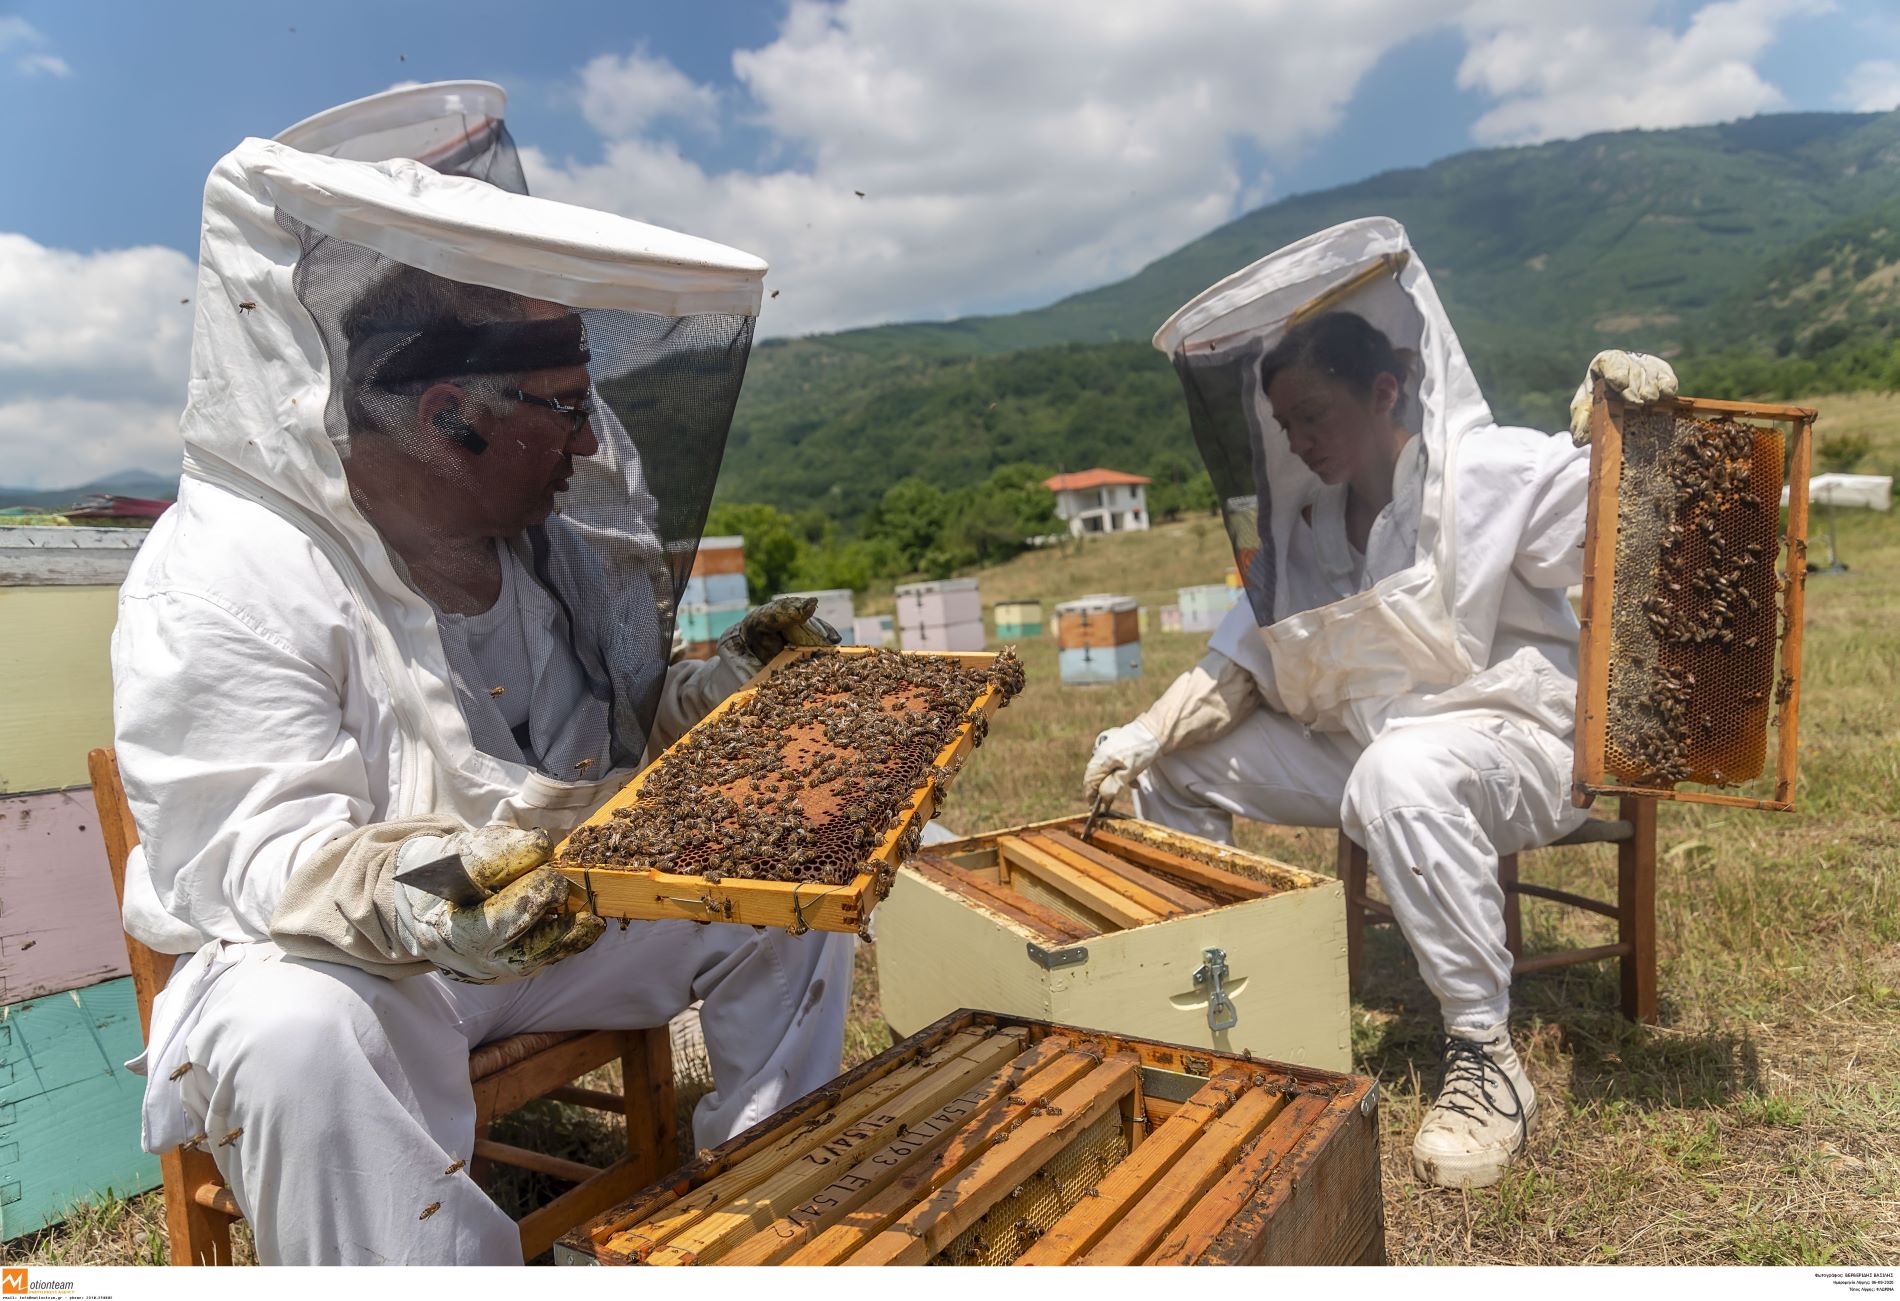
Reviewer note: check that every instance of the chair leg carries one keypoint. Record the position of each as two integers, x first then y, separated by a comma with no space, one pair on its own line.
480,1168
1351,864
1636,909
646,1070
196,1235
1513,908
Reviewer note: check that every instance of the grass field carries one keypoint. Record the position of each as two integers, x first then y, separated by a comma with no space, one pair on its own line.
1759,1123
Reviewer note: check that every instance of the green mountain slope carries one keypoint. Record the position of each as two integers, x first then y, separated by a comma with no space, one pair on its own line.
1767,235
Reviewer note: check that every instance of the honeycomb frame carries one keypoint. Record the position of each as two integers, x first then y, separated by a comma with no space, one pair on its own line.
1691,641
619,891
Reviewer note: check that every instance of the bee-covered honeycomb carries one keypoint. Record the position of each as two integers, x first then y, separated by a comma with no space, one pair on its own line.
1029,1210
1694,610
805,780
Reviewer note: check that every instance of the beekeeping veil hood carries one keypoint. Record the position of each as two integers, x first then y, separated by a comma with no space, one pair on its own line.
1332,656
455,127
458,128
402,364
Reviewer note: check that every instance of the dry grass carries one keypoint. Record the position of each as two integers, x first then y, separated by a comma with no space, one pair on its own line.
1759,1123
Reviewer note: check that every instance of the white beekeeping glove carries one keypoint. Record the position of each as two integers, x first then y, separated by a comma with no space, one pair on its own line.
1637,377
516,931
1121,755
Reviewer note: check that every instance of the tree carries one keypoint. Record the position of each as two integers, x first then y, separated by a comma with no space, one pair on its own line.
774,550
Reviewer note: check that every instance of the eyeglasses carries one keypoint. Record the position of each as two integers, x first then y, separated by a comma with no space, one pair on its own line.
577,415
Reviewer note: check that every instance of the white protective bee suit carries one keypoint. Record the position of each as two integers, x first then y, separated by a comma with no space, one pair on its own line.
286,709
1420,695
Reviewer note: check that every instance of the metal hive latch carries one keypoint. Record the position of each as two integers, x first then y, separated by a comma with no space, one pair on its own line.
1210,976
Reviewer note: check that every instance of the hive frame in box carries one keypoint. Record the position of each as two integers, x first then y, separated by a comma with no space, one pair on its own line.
796,905
1306,1190
1591,776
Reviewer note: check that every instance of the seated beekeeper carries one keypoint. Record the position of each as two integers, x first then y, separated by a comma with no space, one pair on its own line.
1404,663
389,618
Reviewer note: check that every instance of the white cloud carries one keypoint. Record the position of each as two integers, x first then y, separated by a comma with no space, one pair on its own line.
1012,153
18,34
94,349
1872,86
625,95
1570,67
51,65
17,31
1008,153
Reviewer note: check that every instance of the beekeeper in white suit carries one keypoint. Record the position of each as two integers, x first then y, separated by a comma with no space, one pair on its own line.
369,634
1404,665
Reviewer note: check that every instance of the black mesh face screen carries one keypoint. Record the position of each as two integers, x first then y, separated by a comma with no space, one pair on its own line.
549,514
1221,387
455,144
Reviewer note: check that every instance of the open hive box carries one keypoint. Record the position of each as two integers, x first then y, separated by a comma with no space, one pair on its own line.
1690,668
994,1140
792,803
1138,929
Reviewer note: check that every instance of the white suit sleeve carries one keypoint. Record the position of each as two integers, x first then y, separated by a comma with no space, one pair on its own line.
1551,552
236,759
1202,704
692,688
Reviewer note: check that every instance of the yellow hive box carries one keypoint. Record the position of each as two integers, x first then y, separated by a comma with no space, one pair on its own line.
1117,933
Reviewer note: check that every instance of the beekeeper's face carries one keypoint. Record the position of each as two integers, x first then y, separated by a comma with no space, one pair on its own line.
513,439
1335,431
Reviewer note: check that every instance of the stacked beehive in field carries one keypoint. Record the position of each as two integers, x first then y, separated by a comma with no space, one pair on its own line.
715,595
1099,639
1202,608
1114,931
990,1140
69,1110
940,616
1016,620
873,630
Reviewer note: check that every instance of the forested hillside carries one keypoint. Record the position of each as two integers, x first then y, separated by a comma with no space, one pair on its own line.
1762,255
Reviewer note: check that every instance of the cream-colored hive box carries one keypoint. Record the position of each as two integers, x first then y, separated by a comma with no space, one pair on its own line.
1139,930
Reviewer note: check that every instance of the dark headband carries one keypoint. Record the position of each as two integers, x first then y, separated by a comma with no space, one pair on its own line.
387,355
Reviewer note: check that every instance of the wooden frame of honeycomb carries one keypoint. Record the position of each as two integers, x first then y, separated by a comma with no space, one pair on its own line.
1691,640
616,890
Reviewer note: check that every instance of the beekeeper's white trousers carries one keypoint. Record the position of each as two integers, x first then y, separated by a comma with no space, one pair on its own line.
1433,802
353,1097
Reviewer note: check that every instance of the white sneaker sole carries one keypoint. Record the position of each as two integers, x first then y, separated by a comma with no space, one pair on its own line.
1467,1169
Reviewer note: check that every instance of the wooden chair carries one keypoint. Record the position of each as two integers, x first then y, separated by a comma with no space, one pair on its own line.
1634,912
199,1209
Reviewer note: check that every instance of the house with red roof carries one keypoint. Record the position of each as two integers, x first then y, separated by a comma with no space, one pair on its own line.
1100,501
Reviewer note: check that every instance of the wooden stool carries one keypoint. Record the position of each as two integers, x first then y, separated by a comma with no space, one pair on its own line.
199,1208
1633,834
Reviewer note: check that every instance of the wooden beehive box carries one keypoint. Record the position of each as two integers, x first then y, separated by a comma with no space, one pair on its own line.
619,891
1113,933
1689,674
996,1140
1098,639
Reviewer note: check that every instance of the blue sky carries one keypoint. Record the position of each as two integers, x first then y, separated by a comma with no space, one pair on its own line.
1011,151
